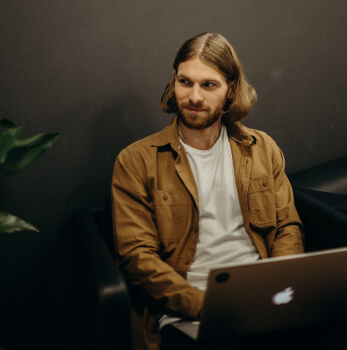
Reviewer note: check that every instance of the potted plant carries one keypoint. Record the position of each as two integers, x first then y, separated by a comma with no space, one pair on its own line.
15,155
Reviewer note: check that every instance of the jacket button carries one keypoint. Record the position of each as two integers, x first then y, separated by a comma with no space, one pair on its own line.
264,183
165,197
187,262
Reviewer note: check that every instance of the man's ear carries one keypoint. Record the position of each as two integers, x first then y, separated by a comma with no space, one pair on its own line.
231,90
231,93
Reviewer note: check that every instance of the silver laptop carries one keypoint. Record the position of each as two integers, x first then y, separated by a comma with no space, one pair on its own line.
272,294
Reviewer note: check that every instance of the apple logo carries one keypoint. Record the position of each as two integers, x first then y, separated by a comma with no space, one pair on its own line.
283,297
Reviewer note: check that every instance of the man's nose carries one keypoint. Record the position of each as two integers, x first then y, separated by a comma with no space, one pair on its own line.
195,96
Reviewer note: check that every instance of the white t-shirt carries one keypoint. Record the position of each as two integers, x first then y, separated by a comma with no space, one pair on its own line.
223,239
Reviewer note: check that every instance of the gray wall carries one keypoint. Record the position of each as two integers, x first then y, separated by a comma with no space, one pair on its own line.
95,71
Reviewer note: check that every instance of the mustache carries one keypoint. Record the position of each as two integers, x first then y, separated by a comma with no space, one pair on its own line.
194,105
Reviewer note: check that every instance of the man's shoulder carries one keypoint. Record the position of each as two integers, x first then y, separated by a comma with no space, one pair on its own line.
149,143
259,135
146,141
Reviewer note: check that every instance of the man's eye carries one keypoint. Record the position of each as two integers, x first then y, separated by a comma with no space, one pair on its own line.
209,85
184,81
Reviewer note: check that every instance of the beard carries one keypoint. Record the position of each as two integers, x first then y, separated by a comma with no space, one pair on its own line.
201,120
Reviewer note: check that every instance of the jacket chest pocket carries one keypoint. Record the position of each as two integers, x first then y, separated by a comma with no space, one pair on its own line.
262,202
171,214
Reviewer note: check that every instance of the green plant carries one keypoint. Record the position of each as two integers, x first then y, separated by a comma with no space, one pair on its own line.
15,155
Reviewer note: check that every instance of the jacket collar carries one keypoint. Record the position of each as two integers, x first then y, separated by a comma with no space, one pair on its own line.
236,131
168,135
240,133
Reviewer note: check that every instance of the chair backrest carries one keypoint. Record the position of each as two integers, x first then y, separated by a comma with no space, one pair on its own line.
325,226
107,229
103,294
328,177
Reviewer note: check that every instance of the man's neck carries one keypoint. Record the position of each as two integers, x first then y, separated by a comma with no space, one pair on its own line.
200,139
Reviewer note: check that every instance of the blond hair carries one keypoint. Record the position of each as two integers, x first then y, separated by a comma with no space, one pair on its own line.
215,51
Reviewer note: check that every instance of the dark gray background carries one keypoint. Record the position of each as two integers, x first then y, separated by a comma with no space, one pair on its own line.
95,71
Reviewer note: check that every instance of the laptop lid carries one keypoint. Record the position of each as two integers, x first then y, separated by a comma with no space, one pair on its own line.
273,294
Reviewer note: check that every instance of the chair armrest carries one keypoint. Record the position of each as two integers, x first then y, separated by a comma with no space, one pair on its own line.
105,305
325,226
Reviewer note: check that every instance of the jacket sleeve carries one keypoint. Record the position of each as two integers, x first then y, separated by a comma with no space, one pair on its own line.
137,242
289,233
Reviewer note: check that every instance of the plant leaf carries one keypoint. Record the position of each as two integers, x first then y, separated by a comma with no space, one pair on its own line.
5,123
24,152
7,141
10,223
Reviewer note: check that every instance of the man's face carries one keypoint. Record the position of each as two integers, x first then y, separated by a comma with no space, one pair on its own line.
201,93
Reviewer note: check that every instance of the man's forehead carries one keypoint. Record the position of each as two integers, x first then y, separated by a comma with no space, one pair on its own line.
195,68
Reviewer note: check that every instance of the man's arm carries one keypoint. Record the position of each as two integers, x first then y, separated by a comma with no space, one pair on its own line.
289,236
137,241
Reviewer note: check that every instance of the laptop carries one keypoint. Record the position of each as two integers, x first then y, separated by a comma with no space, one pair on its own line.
272,294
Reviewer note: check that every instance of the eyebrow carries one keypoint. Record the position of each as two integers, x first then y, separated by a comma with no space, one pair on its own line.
212,80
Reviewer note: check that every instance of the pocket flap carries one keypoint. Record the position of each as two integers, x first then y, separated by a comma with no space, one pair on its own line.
260,184
169,198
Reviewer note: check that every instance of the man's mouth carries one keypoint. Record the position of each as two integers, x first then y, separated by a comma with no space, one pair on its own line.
194,109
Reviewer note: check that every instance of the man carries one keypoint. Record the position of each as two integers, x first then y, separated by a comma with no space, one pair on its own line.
205,191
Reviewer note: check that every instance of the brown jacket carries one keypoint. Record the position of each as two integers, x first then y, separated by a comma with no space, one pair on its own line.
156,215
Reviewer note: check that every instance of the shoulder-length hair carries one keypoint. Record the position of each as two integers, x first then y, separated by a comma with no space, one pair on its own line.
215,51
